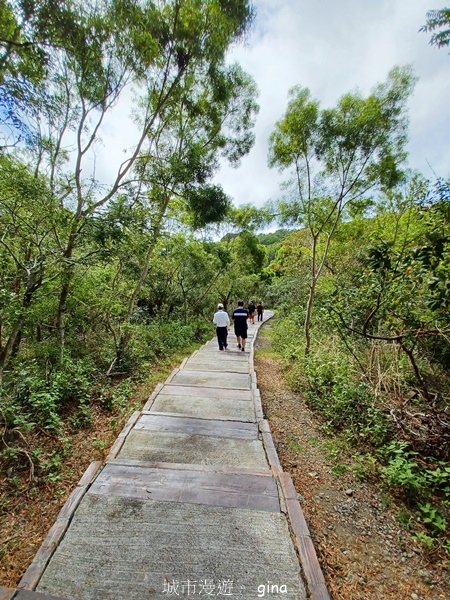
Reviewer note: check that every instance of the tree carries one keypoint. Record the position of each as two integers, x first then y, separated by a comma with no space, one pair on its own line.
438,20
173,174
399,291
37,40
172,53
29,219
337,157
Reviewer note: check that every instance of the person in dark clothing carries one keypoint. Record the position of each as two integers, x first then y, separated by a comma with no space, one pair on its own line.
251,312
240,317
260,310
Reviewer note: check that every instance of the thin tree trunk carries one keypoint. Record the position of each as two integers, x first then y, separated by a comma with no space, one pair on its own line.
312,292
7,351
123,338
409,353
307,326
64,293
12,344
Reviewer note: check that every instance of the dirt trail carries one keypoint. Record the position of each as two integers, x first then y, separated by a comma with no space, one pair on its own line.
364,551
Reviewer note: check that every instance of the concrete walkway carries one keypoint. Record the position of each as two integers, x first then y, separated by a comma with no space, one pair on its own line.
192,501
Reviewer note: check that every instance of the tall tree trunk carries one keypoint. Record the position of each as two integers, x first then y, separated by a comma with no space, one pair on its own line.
67,276
312,293
11,347
7,351
307,326
123,337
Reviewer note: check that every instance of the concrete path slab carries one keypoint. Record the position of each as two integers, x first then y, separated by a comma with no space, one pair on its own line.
228,359
209,393
232,348
196,426
210,408
234,490
234,381
189,467
227,356
235,358
133,549
201,449
217,365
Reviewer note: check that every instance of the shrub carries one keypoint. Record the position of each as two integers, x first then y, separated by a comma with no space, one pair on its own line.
328,380
38,397
158,340
402,471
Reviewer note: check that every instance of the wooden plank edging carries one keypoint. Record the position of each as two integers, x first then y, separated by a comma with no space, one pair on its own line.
256,395
29,595
6,593
152,397
33,574
257,405
117,446
269,446
312,571
172,375
302,538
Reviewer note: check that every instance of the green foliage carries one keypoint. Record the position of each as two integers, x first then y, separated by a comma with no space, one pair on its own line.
293,444
41,398
99,444
157,340
431,517
62,225
399,290
207,205
267,239
336,156
51,466
364,466
402,470
436,526
438,22
328,380
438,478
378,369
346,405
428,542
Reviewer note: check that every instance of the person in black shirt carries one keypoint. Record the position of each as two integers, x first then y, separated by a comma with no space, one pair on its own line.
260,310
251,312
240,317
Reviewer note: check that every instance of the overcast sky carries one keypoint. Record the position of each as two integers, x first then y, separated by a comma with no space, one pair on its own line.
333,47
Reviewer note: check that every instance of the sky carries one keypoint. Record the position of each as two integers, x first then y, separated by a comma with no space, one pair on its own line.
333,47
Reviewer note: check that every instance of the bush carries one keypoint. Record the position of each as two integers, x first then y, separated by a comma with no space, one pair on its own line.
402,472
38,397
157,340
332,387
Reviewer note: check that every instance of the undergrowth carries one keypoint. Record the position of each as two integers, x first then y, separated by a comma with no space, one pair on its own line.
365,406
43,406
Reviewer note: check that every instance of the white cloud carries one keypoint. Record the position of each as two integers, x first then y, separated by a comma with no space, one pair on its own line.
334,47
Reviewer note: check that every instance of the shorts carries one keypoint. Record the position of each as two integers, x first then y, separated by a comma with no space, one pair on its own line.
241,333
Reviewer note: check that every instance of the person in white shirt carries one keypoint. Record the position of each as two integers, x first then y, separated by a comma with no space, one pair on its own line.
222,322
